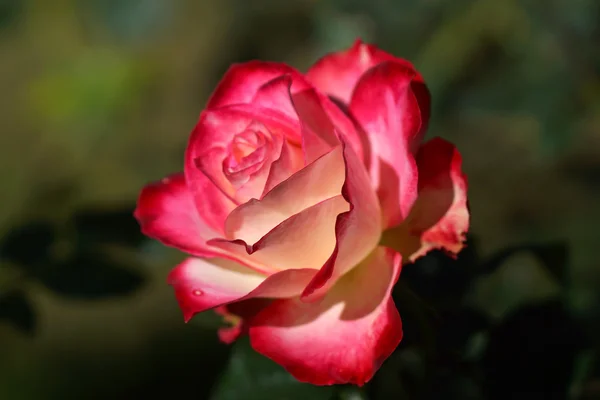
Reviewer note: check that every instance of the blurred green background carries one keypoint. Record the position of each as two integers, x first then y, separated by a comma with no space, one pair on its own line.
99,96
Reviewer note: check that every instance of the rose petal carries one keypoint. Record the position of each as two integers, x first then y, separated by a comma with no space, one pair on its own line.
357,231
305,240
241,82
215,129
290,161
318,132
318,181
276,95
204,284
166,212
337,73
342,339
210,165
386,108
439,218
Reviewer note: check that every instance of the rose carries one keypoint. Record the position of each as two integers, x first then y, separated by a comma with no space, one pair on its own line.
290,184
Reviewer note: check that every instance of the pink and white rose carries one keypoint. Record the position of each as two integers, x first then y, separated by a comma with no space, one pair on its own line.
300,198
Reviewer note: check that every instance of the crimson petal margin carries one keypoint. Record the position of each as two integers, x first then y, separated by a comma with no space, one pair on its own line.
440,217
337,73
345,337
387,110
242,81
202,284
165,211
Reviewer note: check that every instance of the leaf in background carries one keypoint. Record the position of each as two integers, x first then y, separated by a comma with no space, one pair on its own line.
28,244
115,225
90,276
251,376
17,310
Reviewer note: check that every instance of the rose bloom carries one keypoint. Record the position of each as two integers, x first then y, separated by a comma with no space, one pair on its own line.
301,197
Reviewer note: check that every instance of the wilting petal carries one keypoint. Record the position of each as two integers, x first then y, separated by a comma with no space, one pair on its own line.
357,231
166,212
386,108
338,73
241,82
204,284
342,339
439,218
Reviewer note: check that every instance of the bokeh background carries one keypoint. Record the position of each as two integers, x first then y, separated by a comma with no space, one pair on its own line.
99,96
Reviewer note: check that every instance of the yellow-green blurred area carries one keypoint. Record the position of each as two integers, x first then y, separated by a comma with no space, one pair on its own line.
98,99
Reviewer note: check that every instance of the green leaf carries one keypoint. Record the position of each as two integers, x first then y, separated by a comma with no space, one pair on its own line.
106,226
28,244
90,275
251,376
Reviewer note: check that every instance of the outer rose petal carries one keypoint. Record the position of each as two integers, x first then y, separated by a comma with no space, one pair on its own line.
386,108
201,284
204,284
241,82
342,339
337,73
166,212
439,218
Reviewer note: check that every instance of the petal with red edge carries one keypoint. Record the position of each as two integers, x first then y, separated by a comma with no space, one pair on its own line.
202,284
322,123
216,129
342,339
318,133
439,218
386,108
357,231
337,73
276,95
242,81
166,212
